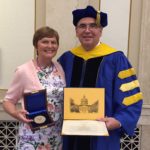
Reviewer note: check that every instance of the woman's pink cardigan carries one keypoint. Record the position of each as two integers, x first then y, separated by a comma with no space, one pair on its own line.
26,80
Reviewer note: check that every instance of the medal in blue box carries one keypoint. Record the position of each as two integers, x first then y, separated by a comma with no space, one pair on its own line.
36,104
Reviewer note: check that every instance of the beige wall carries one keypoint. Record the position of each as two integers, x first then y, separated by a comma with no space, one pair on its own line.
116,33
16,31
58,17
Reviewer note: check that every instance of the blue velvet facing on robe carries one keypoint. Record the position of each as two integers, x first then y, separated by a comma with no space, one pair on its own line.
107,77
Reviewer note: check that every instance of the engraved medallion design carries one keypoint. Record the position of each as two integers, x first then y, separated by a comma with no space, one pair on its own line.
39,119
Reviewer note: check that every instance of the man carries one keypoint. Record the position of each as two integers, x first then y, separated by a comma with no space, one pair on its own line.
95,64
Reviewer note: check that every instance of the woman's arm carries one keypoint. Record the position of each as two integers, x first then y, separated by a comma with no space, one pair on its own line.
19,114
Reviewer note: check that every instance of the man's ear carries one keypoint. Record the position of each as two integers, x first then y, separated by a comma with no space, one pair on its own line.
76,31
101,29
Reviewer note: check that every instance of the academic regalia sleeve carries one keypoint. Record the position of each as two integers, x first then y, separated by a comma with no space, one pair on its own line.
66,61
127,95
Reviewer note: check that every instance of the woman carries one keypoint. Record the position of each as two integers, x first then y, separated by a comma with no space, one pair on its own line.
39,73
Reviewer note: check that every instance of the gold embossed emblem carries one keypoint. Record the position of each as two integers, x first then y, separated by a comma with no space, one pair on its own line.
39,119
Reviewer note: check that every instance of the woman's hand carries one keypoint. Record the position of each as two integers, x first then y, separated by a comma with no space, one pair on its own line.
21,116
111,123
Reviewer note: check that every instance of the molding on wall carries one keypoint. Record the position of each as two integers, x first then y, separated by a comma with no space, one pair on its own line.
134,33
144,55
5,116
40,13
2,94
145,115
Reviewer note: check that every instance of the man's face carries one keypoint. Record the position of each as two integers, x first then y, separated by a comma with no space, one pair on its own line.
88,32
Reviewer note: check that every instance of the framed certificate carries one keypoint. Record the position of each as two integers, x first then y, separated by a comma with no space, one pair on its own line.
36,104
82,108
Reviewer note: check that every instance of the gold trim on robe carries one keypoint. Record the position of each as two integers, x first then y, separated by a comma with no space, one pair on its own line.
126,73
100,50
132,99
129,86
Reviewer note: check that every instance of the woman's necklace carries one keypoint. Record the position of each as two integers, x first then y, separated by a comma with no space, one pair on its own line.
46,70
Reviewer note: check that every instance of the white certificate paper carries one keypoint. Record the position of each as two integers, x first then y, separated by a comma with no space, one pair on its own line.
84,127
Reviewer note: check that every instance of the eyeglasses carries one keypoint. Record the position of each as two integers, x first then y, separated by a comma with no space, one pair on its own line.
90,26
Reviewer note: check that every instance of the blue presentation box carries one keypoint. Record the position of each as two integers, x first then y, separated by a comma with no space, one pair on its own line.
36,104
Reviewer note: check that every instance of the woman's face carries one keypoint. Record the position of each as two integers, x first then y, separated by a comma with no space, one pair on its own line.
47,47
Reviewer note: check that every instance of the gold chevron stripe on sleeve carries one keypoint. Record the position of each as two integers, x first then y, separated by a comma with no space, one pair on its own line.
132,99
129,86
126,73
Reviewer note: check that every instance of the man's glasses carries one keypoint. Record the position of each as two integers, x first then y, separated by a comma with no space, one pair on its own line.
90,26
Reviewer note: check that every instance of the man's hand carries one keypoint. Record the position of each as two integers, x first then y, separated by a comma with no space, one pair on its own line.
111,123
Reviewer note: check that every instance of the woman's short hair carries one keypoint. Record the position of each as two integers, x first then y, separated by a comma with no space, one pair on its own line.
44,32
